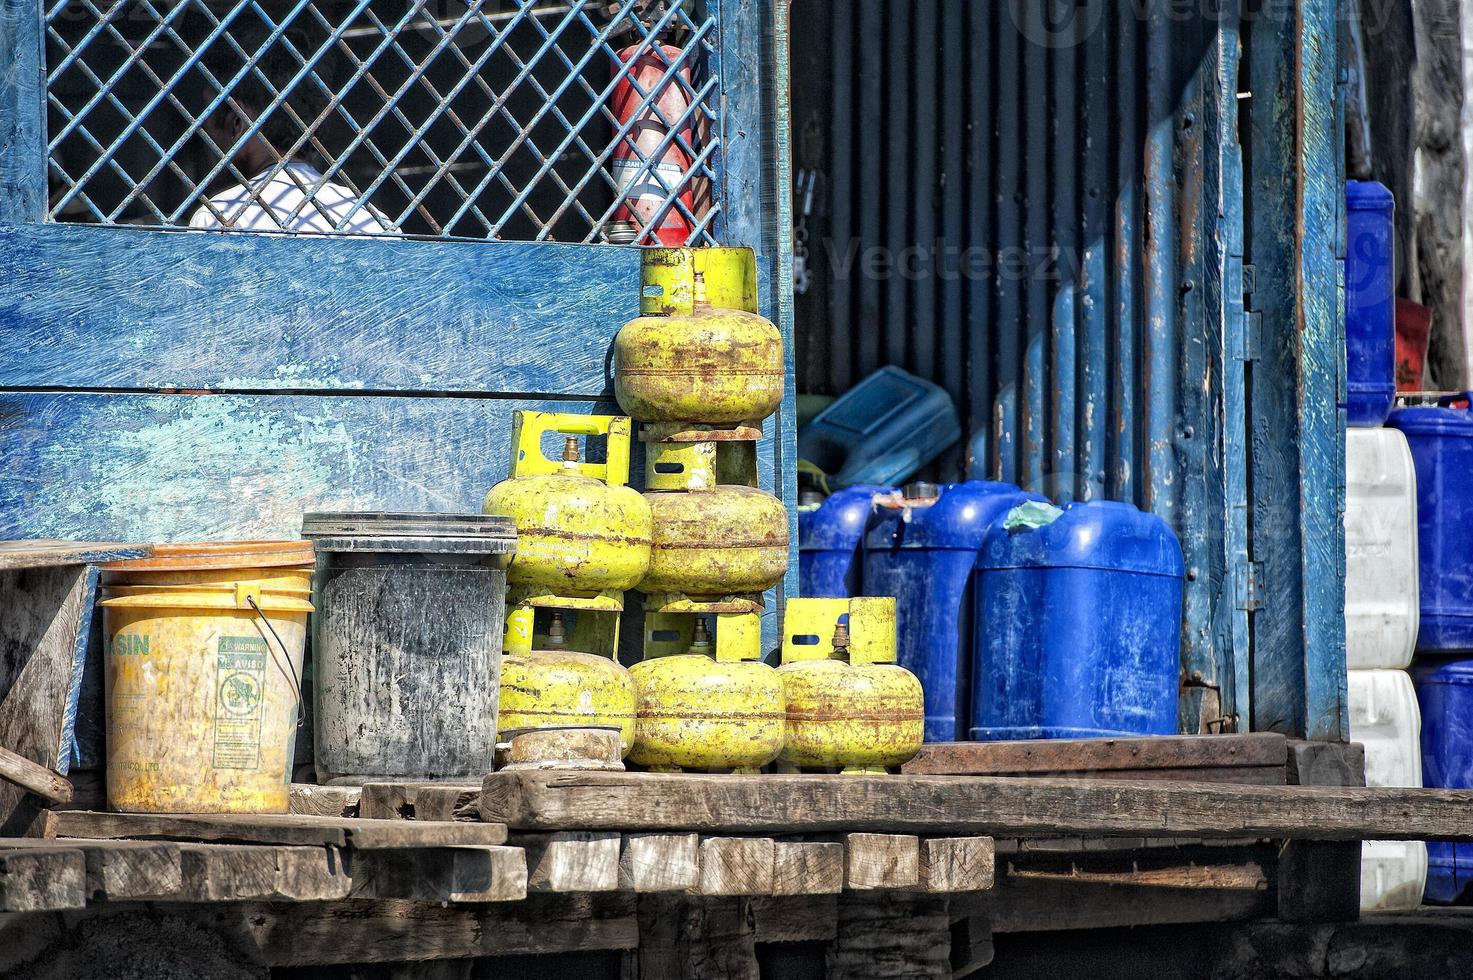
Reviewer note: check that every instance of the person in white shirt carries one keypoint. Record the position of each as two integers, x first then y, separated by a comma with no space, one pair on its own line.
290,197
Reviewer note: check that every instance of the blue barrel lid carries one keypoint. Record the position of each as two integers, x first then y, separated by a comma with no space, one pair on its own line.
838,523
1368,195
1433,420
958,520
1103,534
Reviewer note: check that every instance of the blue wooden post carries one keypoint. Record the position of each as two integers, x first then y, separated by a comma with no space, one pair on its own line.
1295,204
22,113
757,211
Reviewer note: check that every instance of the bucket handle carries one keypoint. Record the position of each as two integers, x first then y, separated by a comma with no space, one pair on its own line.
285,668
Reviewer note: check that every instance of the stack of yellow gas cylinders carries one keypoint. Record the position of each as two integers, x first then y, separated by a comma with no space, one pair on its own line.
583,538
700,370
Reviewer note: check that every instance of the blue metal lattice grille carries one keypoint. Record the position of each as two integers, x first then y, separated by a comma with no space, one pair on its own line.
517,119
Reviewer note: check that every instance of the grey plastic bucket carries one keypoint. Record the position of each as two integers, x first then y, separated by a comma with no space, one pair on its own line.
406,643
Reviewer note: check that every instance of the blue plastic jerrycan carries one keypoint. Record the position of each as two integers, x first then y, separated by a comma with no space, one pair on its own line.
829,538
1441,440
1081,625
921,547
1370,302
882,431
1445,698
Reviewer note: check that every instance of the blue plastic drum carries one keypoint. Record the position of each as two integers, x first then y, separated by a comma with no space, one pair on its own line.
1441,439
1445,696
1370,302
1082,632
924,553
829,539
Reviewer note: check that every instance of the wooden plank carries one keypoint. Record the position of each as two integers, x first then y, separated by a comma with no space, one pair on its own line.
357,931
1031,905
22,114
243,872
881,861
571,861
694,939
891,934
797,918
286,829
323,314
183,467
42,879
448,803
43,647
998,806
400,800
1249,867
736,866
40,780
1104,755
311,800
45,554
441,874
504,880
118,870
807,868
660,863
956,864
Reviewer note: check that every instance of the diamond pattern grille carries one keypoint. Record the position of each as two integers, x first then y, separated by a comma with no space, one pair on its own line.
526,120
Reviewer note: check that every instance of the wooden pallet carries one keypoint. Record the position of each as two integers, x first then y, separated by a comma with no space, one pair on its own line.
96,856
1258,758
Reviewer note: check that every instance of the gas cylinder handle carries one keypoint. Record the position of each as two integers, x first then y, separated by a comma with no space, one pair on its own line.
529,459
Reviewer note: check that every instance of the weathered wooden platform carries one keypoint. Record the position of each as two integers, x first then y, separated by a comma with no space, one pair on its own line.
992,805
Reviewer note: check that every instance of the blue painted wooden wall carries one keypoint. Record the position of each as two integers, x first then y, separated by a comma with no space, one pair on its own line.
168,385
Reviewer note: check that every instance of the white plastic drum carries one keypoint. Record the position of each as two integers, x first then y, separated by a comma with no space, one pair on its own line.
1384,718
1380,549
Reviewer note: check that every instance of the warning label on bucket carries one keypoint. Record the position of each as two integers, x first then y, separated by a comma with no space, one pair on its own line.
240,682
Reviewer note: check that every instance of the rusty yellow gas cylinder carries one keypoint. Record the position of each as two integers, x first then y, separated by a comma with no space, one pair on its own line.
703,711
848,706
555,687
696,353
709,538
580,530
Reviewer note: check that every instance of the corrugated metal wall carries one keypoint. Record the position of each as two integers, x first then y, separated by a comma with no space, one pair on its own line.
1038,206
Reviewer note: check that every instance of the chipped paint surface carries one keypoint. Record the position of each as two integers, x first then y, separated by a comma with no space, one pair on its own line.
125,467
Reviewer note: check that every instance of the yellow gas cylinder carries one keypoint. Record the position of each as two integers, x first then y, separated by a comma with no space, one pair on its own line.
580,530
557,687
697,352
699,711
849,706
708,538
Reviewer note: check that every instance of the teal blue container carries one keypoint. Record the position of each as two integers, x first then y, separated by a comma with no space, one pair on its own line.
882,431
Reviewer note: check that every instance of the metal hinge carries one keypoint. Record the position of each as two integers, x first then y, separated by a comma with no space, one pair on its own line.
1250,585
1252,341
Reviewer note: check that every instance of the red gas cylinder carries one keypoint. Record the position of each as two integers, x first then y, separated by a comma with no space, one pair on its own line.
645,150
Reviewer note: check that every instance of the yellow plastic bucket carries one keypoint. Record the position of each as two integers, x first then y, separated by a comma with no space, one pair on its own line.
204,647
